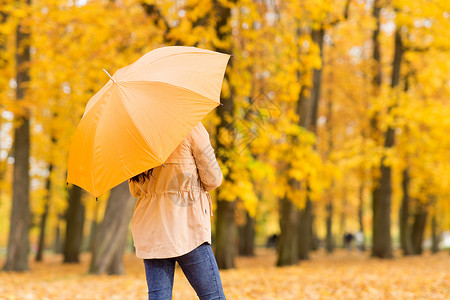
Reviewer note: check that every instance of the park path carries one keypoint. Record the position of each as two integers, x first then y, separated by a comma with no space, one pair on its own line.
343,275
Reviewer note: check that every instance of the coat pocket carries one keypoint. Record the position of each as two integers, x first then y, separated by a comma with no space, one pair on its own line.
206,203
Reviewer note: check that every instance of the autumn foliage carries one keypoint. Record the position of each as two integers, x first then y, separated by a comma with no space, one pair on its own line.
336,118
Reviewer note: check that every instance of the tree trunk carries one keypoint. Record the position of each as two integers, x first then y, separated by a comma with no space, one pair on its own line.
376,55
397,62
405,228
3,65
291,220
418,230
74,227
314,238
376,83
304,229
382,193
317,38
111,238
247,237
376,80
116,267
360,216
57,246
225,249
93,229
309,122
288,245
434,234
41,245
381,244
92,234
329,243
289,224
225,234
343,217
18,242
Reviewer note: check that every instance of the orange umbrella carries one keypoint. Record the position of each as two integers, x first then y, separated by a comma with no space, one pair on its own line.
142,114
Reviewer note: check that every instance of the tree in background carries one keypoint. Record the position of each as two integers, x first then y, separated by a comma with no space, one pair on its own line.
111,236
18,243
74,227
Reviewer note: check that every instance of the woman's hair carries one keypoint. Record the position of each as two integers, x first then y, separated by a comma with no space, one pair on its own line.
142,177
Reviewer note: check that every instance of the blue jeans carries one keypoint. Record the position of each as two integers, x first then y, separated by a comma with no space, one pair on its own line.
199,266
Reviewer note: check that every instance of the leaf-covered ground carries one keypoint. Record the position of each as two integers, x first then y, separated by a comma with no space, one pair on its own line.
342,275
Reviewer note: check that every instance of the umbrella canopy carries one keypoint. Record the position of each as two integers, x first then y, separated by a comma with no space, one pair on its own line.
142,114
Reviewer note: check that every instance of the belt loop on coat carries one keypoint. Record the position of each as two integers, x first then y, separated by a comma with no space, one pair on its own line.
210,202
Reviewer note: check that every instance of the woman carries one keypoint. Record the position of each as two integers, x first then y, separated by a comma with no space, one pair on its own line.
171,220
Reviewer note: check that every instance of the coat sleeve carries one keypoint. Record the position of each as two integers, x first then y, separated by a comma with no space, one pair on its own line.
207,165
134,190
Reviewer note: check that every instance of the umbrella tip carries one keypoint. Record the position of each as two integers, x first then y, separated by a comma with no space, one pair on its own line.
163,165
109,75
96,199
221,104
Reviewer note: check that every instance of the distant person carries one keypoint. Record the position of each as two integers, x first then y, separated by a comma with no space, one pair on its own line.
348,238
272,241
171,221
359,240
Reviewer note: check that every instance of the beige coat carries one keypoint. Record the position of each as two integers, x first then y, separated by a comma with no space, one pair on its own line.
172,214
